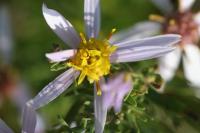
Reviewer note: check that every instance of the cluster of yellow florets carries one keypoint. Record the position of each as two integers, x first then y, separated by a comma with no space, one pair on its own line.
92,59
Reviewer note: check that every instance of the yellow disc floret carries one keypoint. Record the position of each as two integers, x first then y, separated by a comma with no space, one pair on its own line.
92,59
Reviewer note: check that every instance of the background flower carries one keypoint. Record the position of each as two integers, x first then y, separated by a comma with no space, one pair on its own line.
179,20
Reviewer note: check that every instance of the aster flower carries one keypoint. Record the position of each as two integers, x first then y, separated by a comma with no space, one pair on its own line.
181,21
29,122
91,58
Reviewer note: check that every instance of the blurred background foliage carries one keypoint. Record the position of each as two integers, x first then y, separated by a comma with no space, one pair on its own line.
175,111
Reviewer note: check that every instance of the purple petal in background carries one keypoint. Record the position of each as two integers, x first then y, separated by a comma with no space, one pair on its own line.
114,92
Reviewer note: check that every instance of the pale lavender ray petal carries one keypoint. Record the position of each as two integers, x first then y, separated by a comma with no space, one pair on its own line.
164,5
161,40
114,93
54,88
29,120
100,112
61,27
138,56
108,89
61,55
92,17
139,30
118,104
112,83
123,89
185,5
169,63
4,128
191,64
135,50
6,39
40,126
108,100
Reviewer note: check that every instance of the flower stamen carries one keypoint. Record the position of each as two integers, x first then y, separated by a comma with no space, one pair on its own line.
92,58
157,18
99,92
172,22
83,38
111,33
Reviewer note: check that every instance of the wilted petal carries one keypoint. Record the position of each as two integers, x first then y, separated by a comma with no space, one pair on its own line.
191,63
112,83
185,5
92,17
164,5
140,30
132,55
5,35
29,120
115,90
100,112
108,100
162,41
54,88
123,89
61,27
61,55
4,128
169,63
108,88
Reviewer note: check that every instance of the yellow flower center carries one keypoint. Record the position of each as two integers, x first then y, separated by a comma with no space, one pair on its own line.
92,59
